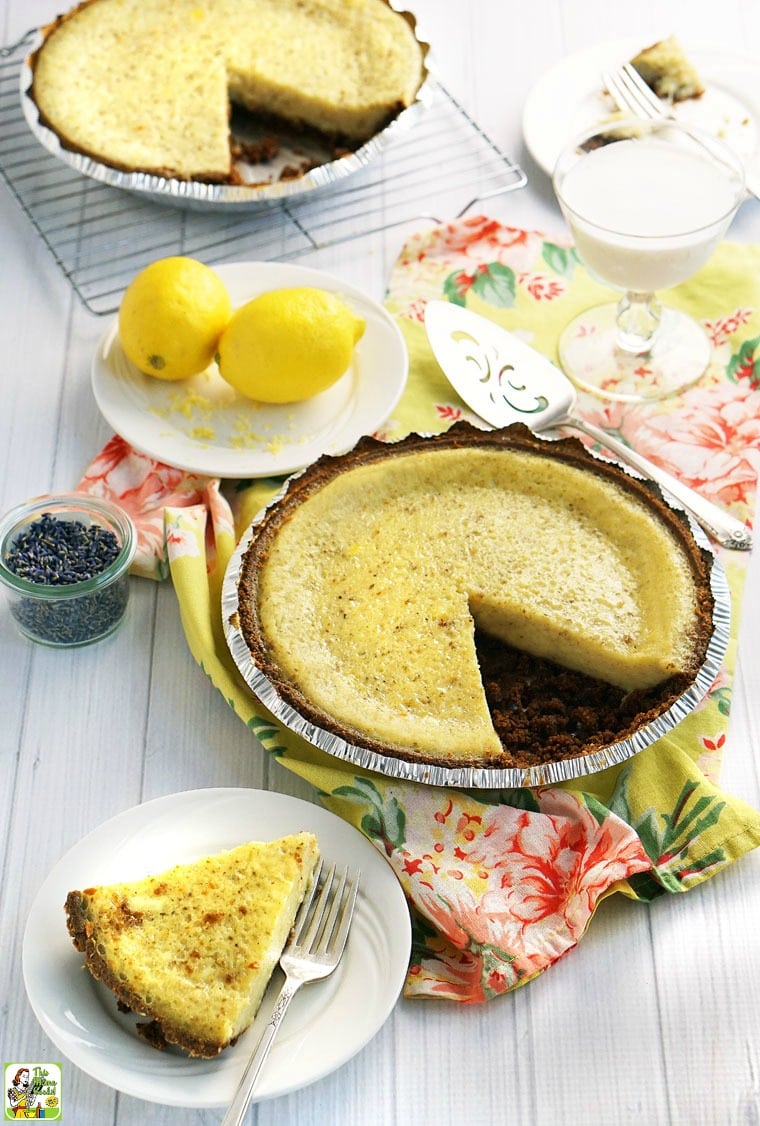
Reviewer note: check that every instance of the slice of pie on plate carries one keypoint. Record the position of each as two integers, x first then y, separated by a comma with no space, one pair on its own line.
193,948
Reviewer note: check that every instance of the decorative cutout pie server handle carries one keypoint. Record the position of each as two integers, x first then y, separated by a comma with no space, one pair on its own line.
503,380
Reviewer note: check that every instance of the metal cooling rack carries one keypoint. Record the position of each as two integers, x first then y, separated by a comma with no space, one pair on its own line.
101,236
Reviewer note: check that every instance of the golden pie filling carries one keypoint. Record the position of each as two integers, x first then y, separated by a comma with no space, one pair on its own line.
147,85
193,948
362,592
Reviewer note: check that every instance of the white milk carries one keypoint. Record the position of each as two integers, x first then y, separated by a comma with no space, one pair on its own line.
646,214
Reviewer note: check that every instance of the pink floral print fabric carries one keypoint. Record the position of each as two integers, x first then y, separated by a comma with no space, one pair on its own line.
502,885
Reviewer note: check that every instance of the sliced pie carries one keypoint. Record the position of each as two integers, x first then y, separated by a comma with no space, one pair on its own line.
365,590
667,70
193,948
147,85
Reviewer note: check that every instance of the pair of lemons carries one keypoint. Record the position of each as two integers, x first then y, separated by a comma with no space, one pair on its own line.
283,346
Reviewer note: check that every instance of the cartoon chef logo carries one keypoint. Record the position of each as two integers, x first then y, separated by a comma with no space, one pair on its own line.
32,1090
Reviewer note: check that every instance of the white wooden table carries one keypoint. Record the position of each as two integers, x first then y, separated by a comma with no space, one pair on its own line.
655,1017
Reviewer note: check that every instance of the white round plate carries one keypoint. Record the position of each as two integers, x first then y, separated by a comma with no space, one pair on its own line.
327,1023
570,97
204,426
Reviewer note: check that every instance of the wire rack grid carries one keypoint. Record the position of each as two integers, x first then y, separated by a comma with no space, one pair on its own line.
101,236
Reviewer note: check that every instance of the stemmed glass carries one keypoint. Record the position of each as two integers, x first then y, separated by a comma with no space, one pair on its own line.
647,204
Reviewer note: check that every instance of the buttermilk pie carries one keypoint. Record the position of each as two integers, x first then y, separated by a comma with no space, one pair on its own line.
474,598
193,948
667,70
148,85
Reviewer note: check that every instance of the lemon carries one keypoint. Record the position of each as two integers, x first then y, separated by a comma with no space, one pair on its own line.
171,317
289,344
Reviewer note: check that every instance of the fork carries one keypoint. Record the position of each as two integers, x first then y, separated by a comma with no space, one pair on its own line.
313,951
631,94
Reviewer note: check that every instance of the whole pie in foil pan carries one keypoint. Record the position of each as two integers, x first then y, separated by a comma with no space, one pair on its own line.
456,609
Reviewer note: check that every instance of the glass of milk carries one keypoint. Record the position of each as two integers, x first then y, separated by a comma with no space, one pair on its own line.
647,204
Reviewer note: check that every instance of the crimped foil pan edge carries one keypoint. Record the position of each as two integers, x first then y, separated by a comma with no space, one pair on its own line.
469,777
196,195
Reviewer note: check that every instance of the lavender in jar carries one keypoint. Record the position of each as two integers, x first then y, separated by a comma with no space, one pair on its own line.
65,566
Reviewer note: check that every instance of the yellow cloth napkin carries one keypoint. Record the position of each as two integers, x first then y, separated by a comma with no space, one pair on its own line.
502,884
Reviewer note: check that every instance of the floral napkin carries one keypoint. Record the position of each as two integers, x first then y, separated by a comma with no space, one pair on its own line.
502,884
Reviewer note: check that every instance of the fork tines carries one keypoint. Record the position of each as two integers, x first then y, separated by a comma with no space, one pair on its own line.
630,93
324,918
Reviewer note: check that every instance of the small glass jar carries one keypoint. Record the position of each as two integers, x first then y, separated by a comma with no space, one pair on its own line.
60,603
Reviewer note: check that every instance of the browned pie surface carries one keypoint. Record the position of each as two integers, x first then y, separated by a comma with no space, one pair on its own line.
417,598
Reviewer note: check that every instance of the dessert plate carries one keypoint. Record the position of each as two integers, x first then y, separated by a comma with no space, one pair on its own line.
570,97
204,426
324,1026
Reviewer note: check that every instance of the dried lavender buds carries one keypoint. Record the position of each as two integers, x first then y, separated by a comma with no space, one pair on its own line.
57,552
64,561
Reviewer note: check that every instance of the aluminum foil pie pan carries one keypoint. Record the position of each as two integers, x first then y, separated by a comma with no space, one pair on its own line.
468,776
262,187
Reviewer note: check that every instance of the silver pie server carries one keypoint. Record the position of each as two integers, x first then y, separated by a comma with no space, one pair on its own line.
503,380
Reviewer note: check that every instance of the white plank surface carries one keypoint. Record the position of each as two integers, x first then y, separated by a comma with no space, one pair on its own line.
654,1017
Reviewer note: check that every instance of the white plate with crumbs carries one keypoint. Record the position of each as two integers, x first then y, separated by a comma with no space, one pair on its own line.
570,96
204,426
324,1026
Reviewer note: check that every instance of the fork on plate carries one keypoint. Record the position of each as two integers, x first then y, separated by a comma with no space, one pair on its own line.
631,94
313,951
